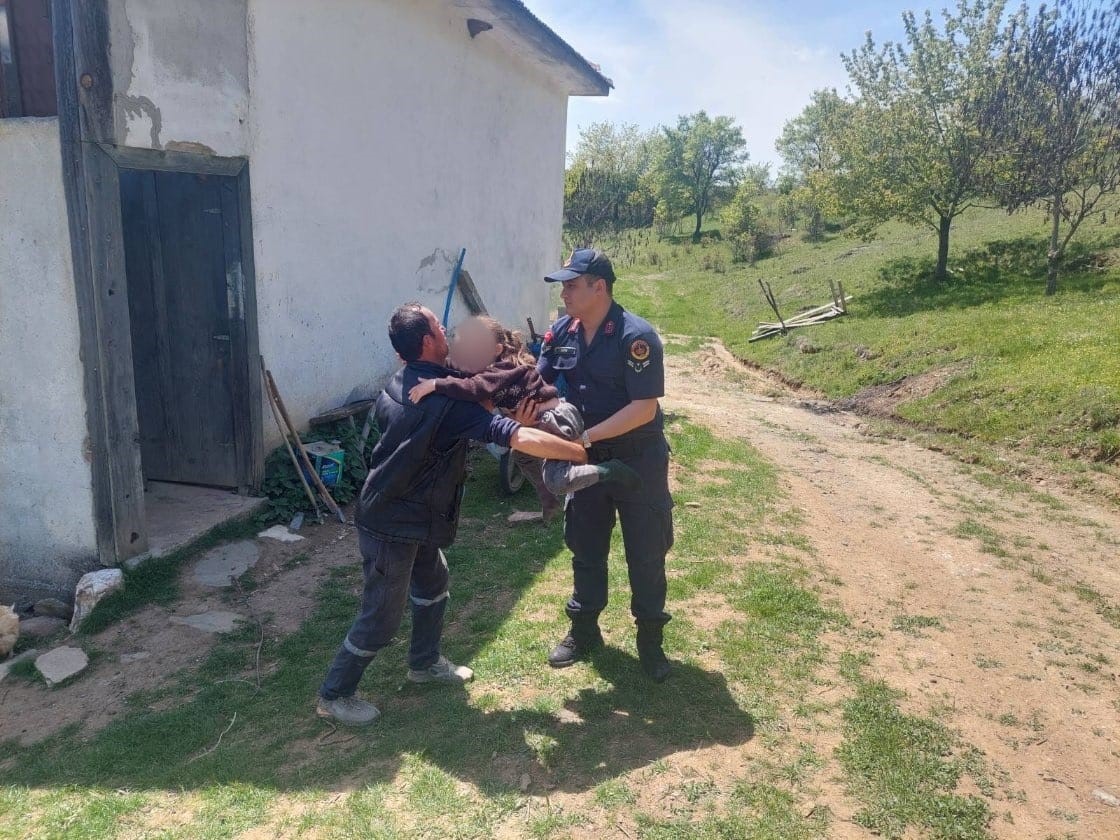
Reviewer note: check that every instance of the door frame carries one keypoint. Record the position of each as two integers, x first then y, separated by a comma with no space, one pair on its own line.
90,172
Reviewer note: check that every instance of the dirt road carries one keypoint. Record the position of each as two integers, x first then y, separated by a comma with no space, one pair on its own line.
994,609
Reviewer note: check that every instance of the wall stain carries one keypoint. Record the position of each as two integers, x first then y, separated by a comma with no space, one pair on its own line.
189,146
140,107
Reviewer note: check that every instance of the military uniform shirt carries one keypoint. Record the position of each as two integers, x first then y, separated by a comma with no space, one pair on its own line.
622,362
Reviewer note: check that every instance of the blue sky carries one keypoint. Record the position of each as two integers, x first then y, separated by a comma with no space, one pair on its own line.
755,60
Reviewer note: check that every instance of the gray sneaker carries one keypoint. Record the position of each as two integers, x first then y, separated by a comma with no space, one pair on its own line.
442,671
349,711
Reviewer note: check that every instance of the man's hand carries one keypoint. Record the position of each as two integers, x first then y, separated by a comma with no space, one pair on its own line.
544,445
526,412
418,392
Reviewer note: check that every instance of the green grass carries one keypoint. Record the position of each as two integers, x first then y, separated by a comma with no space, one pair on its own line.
905,769
216,758
1014,368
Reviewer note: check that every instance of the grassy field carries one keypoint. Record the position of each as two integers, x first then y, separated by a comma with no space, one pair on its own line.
714,753
997,361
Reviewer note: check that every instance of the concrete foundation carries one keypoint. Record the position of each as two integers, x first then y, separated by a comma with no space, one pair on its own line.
181,513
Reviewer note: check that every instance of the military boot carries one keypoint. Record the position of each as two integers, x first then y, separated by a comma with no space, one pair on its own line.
650,653
583,638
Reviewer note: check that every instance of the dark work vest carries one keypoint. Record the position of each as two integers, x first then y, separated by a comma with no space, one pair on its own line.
413,489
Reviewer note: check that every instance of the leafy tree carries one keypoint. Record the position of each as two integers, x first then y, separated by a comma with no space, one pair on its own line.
741,219
697,162
810,158
1056,117
910,147
605,187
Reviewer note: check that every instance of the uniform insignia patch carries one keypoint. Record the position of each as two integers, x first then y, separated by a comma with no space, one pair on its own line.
609,328
639,350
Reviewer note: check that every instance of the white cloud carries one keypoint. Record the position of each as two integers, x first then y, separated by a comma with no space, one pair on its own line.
670,58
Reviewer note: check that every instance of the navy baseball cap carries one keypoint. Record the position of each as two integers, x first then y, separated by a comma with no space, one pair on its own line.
583,261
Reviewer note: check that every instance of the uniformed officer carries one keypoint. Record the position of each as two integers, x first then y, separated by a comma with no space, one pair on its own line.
612,361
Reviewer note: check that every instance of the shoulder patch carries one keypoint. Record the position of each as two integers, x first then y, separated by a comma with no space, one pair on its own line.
639,350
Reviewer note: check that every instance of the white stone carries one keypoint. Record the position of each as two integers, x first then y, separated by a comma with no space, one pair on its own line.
92,588
61,664
214,621
281,533
525,516
220,566
1107,798
6,667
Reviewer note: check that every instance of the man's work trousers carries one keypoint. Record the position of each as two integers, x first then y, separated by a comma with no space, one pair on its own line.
394,574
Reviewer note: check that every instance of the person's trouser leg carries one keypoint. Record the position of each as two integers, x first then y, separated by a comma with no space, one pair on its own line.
533,469
387,571
563,477
647,533
588,522
429,595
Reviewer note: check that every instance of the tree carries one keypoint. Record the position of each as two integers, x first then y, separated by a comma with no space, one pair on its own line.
1056,117
741,220
809,155
911,147
605,187
697,162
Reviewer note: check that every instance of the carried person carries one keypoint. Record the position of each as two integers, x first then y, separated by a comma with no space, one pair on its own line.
501,373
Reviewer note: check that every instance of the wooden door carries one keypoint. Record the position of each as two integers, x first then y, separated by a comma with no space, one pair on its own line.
179,232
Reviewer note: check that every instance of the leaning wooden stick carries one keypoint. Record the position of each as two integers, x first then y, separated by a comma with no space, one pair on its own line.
324,494
288,446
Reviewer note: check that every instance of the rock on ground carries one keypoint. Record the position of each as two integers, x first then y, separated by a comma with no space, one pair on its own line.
219,567
281,533
61,664
214,621
40,626
92,588
53,607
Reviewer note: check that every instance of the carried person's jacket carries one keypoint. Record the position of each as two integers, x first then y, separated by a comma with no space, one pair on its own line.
413,489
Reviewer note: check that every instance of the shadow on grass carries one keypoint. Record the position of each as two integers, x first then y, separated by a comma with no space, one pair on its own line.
212,727
1002,270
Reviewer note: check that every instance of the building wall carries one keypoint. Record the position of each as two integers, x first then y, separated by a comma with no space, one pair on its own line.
180,75
382,140
47,535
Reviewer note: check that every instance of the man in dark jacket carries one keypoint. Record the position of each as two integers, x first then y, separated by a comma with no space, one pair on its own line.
409,509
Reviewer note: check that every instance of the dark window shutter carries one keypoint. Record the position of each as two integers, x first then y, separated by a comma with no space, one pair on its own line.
27,85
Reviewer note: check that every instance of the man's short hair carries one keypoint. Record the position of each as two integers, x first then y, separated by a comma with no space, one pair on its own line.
407,328
601,268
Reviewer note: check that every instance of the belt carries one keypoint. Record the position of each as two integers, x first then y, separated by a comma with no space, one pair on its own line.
622,449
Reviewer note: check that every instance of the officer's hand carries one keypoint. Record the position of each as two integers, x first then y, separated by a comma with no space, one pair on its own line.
526,412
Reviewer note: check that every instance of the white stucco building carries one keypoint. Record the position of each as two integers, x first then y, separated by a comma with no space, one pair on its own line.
207,183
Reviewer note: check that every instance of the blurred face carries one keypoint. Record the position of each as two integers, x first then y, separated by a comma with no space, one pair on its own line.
435,345
473,347
583,295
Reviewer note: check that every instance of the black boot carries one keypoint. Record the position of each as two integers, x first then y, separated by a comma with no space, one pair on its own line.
650,654
583,638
